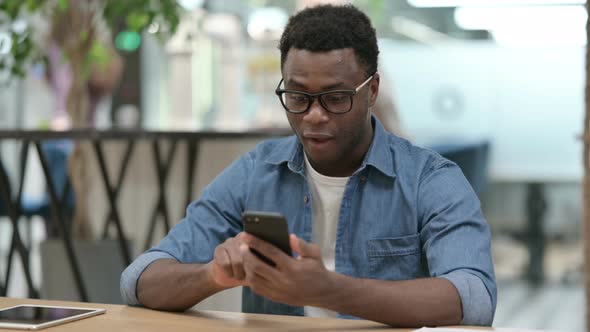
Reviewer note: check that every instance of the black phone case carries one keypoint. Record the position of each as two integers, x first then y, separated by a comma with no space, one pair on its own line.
270,227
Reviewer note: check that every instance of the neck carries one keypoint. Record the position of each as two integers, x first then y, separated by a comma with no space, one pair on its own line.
349,162
339,172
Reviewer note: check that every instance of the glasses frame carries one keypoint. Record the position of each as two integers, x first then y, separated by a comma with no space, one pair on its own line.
312,96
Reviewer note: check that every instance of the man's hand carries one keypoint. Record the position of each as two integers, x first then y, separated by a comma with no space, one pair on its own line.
295,281
227,267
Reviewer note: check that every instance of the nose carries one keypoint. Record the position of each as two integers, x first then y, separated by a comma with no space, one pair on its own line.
316,113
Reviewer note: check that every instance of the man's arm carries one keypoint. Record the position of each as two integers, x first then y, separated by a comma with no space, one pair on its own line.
305,281
182,280
169,285
410,303
166,284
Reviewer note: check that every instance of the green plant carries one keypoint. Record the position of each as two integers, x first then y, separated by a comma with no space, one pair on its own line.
118,15
78,28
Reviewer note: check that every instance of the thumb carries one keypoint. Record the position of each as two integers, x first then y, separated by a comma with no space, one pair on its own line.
302,248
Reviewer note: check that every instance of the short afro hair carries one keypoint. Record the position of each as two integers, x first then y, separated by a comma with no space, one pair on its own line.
327,27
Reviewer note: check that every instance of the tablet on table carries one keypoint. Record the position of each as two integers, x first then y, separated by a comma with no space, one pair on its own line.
36,317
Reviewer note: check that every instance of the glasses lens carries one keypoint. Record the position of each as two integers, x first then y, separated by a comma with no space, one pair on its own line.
295,102
337,102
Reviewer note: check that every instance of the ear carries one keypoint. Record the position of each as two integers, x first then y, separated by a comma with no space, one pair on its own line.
373,90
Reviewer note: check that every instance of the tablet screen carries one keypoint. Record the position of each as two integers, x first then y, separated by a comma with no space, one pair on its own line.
39,315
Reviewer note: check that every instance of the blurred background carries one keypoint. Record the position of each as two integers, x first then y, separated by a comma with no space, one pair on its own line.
495,85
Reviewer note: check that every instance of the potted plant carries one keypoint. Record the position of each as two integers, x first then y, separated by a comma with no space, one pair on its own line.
80,31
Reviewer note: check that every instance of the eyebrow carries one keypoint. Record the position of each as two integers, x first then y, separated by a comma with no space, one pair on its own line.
303,86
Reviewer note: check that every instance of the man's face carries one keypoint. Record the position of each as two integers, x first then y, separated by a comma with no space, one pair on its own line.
335,144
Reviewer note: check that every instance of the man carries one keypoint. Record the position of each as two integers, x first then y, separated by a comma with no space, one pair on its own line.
381,229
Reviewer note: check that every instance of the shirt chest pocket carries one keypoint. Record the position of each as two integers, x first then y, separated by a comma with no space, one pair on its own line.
395,258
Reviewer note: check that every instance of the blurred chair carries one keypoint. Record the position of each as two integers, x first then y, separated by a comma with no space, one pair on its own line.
472,158
28,206
56,154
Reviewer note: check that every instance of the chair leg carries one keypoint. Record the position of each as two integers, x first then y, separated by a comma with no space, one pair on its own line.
10,256
29,225
3,286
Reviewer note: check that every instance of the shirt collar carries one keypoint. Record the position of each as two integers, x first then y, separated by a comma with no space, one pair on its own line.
379,156
290,151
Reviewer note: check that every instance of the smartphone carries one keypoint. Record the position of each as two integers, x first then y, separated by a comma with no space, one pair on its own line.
270,227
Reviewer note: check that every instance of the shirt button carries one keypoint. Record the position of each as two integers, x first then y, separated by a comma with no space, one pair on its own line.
363,179
305,199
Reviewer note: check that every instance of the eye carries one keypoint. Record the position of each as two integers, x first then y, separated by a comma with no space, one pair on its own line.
336,98
296,98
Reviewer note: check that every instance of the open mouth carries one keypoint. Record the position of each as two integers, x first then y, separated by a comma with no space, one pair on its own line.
319,140
317,135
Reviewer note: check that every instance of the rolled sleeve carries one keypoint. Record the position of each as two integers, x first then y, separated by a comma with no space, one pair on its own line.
457,240
131,275
476,301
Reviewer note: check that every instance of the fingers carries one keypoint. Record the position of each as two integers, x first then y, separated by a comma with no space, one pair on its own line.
228,258
236,261
221,278
303,248
294,243
222,260
256,269
268,250
261,287
237,268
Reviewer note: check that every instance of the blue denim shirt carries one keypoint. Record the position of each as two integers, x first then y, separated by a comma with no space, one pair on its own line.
406,213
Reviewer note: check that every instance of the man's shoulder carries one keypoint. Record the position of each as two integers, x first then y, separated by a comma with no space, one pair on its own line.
409,156
274,150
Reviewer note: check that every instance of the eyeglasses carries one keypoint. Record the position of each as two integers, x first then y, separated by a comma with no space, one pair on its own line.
335,101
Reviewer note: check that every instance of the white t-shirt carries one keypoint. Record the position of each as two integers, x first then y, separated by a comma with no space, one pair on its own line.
326,197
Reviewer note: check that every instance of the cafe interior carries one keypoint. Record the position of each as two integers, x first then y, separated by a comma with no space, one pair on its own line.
497,86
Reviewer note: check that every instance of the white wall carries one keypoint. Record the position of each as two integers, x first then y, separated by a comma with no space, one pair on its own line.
528,101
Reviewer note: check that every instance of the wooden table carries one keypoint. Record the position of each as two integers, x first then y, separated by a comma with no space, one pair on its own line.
125,318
